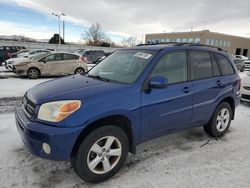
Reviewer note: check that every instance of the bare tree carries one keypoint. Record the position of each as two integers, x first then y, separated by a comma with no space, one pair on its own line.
130,41
95,36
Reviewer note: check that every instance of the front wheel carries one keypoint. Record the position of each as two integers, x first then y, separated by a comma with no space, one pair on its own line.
33,73
80,71
220,121
101,154
242,69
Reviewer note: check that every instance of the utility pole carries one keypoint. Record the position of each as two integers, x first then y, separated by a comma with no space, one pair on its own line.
59,24
64,30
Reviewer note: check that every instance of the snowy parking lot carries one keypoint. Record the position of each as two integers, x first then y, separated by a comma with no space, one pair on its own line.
186,159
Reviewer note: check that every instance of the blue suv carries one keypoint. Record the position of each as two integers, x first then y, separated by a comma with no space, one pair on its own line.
132,96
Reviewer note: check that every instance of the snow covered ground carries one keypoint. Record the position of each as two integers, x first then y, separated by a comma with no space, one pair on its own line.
186,159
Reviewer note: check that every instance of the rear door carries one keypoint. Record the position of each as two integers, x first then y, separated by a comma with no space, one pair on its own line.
168,109
70,63
207,84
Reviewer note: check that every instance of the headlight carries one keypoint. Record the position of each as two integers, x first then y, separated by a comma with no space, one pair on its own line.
58,110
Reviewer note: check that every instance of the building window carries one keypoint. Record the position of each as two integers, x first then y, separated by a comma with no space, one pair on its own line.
221,43
190,40
184,40
178,40
197,40
211,42
216,43
208,42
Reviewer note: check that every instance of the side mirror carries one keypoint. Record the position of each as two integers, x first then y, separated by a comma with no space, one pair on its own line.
158,82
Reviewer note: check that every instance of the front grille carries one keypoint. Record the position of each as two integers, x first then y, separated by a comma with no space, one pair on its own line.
246,87
245,97
29,107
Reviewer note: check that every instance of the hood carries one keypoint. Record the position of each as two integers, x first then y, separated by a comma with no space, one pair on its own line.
70,87
16,60
22,61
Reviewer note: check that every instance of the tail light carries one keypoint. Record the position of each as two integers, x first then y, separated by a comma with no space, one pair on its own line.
83,59
8,54
238,85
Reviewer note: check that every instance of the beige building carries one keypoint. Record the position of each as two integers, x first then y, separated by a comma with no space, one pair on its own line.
233,44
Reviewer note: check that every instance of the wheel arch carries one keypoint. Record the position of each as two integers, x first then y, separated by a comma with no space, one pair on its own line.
230,101
117,120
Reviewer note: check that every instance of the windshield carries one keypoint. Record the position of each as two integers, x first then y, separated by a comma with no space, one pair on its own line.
124,66
39,56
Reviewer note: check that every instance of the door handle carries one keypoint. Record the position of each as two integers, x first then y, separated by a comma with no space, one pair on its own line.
218,82
186,90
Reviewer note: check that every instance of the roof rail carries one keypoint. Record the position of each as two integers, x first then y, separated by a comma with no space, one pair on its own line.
182,44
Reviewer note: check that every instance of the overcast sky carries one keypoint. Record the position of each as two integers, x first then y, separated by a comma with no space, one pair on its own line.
128,17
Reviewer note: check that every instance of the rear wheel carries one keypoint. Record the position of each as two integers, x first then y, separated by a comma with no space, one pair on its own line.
220,121
80,71
33,73
101,154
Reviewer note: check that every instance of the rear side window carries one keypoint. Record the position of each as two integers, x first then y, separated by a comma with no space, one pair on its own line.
216,71
173,66
70,57
225,65
201,66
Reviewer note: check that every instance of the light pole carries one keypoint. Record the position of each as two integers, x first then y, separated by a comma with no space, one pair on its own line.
59,24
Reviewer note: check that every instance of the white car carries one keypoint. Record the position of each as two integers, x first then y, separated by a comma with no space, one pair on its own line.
242,57
245,88
32,53
246,65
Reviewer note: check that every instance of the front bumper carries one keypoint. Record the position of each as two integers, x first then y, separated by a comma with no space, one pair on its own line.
245,93
34,134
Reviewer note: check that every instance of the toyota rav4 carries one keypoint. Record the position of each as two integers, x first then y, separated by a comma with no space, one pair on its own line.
132,96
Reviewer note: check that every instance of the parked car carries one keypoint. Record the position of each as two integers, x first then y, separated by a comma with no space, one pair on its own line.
239,64
5,52
93,56
134,95
54,63
241,57
245,88
14,55
32,53
9,64
247,65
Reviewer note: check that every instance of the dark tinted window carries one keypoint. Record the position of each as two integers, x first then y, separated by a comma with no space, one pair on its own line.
201,66
216,71
173,66
70,57
225,65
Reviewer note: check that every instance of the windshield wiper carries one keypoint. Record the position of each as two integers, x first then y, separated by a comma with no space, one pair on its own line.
98,78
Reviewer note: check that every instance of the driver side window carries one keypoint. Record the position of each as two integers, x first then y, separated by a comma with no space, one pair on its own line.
173,66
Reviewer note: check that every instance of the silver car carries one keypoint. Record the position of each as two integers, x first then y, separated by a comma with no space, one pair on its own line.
51,64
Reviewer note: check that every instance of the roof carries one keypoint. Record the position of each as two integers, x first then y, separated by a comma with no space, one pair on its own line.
160,46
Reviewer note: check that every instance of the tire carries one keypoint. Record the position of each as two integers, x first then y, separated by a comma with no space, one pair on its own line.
33,73
90,165
242,69
80,71
223,113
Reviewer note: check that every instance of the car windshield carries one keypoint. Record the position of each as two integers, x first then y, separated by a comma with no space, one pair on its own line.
123,66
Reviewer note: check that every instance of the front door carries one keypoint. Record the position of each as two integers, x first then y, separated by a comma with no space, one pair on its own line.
167,109
53,64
